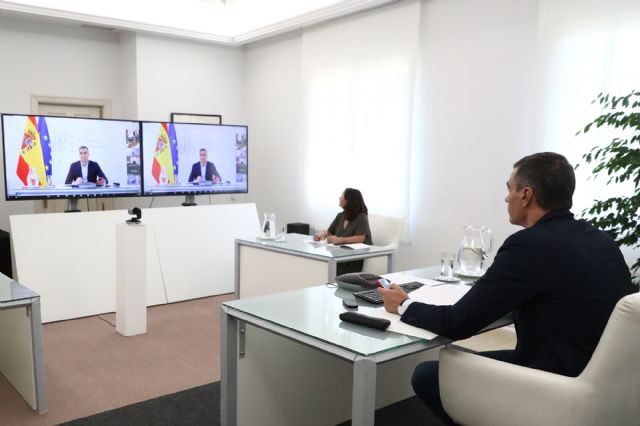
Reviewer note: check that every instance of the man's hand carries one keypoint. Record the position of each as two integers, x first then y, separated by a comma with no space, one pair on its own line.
198,179
100,181
78,181
393,297
216,179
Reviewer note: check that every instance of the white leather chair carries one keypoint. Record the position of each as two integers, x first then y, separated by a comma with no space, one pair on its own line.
480,391
385,231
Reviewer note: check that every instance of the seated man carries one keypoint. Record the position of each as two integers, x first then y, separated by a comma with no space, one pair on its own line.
561,278
204,170
85,170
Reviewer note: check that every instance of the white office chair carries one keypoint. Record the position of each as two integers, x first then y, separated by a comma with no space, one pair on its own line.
479,391
385,231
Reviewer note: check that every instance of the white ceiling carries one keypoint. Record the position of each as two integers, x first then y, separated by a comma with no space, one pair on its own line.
231,22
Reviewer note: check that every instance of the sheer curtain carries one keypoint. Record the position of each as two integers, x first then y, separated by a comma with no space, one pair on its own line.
584,48
358,77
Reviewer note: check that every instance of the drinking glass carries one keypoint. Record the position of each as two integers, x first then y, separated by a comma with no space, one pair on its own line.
446,264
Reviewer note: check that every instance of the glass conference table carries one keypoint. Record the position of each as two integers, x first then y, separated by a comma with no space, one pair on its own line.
265,266
21,357
309,317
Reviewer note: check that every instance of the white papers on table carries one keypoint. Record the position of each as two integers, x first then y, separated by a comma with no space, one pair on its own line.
445,294
400,278
355,245
318,243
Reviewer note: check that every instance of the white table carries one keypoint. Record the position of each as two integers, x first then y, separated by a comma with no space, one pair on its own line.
21,357
287,358
270,266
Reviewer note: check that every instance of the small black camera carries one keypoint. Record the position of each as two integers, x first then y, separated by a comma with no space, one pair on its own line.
137,213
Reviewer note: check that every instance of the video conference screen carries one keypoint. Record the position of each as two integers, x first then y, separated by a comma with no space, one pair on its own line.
181,158
65,157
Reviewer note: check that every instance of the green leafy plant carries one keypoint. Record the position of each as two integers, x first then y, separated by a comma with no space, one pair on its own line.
619,160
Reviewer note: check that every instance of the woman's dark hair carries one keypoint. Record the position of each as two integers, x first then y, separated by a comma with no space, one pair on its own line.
355,204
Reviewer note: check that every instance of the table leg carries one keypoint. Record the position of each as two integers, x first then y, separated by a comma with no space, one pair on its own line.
363,407
391,263
333,267
38,358
228,369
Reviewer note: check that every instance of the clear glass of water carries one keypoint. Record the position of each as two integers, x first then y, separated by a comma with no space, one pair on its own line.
446,263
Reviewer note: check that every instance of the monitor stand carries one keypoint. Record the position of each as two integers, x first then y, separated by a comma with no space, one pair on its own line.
72,206
189,200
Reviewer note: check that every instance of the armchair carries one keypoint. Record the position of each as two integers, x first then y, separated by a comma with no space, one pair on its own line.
480,391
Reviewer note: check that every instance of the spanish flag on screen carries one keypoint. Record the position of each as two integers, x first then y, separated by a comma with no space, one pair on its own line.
166,156
35,153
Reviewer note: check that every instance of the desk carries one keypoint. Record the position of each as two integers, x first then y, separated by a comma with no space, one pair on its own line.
21,358
268,266
265,339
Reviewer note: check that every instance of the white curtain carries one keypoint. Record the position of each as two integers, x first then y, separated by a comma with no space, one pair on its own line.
584,48
358,77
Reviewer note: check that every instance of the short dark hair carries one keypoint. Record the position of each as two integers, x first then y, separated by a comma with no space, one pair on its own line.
355,204
550,176
203,149
83,147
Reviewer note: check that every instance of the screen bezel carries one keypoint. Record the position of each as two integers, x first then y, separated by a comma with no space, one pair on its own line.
205,190
138,193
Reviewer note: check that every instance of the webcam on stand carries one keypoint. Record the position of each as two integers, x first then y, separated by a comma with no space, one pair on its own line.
137,213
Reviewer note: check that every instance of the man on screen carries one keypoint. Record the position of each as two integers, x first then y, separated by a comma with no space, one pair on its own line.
204,170
85,170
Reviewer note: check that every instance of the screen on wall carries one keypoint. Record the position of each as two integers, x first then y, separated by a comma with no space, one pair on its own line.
65,157
181,158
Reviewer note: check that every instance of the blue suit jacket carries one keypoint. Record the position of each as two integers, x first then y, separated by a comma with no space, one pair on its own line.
561,278
209,174
75,171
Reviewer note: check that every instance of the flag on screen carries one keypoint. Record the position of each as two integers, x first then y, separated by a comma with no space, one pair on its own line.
46,147
173,140
31,166
165,167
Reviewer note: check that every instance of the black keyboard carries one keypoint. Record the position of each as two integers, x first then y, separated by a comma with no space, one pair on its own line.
372,296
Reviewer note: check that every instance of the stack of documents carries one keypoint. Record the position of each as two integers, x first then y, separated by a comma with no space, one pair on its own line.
445,294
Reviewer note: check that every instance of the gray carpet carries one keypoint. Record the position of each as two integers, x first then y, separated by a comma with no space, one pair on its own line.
201,406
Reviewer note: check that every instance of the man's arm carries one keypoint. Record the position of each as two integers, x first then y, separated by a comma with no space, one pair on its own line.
193,173
100,175
508,283
214,173
70,176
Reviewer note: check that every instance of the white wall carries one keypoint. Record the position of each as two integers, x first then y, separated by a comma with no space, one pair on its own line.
474,110
59,61
274,108
189,77
473,119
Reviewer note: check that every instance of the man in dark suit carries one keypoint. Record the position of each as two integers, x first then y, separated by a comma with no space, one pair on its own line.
85,170
560,277
204,170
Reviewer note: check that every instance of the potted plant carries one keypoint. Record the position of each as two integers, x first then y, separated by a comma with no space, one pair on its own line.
619,160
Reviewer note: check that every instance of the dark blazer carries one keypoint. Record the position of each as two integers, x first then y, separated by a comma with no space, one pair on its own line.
210,173
561,278
75,171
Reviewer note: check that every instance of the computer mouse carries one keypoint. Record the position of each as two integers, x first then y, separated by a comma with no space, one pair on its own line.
350,303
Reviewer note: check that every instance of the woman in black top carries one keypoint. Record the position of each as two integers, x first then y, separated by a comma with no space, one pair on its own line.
349,227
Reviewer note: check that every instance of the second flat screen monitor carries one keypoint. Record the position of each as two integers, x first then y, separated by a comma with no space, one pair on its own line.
181,158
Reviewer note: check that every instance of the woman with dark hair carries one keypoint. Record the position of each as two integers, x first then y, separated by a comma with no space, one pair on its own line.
350,226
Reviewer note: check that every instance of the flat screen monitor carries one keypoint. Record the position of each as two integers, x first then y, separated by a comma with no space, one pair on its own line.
189,159
67,157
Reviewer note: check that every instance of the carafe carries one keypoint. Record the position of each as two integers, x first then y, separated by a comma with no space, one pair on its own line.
474,249
269,229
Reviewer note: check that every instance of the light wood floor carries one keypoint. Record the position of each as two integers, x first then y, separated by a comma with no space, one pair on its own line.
91,368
